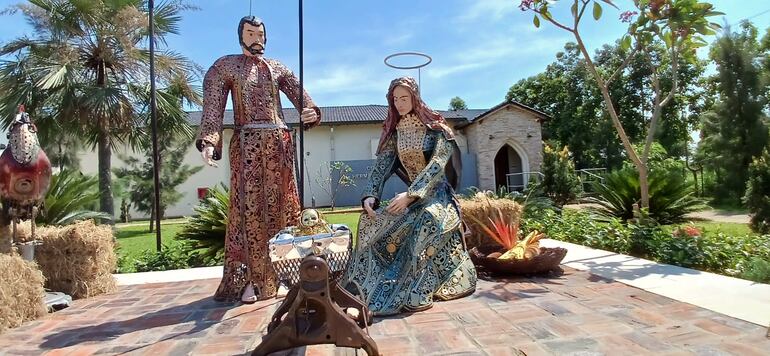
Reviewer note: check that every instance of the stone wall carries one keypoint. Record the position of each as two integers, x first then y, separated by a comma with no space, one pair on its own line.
509,125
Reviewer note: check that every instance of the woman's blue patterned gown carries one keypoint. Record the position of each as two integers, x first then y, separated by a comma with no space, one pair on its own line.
404,262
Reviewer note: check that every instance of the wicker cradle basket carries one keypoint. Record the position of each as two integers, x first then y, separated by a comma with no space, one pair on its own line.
287,251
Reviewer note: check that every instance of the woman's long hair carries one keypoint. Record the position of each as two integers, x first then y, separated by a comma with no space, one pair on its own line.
432,119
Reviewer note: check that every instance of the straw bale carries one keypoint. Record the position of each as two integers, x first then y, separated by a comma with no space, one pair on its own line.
21,292
78,259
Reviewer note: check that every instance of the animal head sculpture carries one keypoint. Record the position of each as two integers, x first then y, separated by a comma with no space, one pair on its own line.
25,171
22,138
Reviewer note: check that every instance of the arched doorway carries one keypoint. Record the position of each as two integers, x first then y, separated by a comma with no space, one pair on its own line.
508,161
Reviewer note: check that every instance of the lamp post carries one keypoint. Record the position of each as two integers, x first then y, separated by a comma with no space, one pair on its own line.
154,124
301,182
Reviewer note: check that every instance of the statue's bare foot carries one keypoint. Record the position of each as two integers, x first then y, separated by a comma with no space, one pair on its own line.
248,296
353,313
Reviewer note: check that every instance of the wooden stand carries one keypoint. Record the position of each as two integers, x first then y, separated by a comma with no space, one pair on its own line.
309,315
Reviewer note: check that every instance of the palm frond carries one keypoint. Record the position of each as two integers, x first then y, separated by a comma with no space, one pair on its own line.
205,233
71,196
671,198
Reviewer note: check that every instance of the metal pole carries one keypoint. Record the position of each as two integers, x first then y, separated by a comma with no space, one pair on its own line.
154,121
301,182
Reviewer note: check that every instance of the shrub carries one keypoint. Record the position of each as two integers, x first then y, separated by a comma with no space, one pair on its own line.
757,270
685,246
204,233
168,258
560,183
671,197
757,197
580,227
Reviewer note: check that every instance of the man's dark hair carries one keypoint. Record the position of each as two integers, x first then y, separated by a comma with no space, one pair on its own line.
251,20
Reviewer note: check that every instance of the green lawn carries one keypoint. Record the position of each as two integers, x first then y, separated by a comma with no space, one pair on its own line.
713,227
134,238
349,219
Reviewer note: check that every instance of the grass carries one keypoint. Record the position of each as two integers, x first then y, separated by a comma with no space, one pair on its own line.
338,208
349,219
714,227
146,222
729,208
133,238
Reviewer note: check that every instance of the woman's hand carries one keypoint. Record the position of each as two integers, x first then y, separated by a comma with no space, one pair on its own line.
399,204
369,206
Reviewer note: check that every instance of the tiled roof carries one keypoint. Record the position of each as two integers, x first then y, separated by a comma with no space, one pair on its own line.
345,114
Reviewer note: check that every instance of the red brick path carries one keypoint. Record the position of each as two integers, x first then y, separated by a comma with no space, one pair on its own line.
576,313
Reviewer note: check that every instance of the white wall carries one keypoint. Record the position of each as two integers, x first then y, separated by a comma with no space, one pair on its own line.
334,143
323,144
207,177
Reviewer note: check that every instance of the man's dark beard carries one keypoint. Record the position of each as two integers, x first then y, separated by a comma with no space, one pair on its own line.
255,49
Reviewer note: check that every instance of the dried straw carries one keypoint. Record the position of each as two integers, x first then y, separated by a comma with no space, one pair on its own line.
77,259
482,207
21,292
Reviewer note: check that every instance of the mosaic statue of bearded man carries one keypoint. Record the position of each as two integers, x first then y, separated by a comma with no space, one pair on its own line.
263,188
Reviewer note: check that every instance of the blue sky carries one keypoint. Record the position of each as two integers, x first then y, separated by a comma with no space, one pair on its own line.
479,47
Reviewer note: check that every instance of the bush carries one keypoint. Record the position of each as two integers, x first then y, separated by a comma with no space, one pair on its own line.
580,227
671,197
757,270
757,197
713,253
685,246
168,258
204,233
560,183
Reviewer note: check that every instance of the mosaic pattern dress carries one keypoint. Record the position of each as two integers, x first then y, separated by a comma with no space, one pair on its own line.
404,262
264,163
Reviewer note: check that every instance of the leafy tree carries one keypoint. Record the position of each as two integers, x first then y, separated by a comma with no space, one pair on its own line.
757,196
85,72
173,172
457,103
733,131
677,23
566,91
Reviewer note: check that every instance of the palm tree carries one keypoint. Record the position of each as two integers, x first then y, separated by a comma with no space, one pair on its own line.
86,72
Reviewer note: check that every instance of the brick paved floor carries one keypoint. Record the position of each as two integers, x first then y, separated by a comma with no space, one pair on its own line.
576,313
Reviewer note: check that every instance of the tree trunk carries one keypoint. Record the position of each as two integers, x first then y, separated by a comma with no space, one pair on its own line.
644,186
603,87
106,203
152,217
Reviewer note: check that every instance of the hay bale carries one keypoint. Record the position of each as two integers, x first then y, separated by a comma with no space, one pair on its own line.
21,292
482,207
78,259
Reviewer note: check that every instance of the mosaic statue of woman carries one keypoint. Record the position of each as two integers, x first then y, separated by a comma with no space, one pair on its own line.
411,252
263,188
